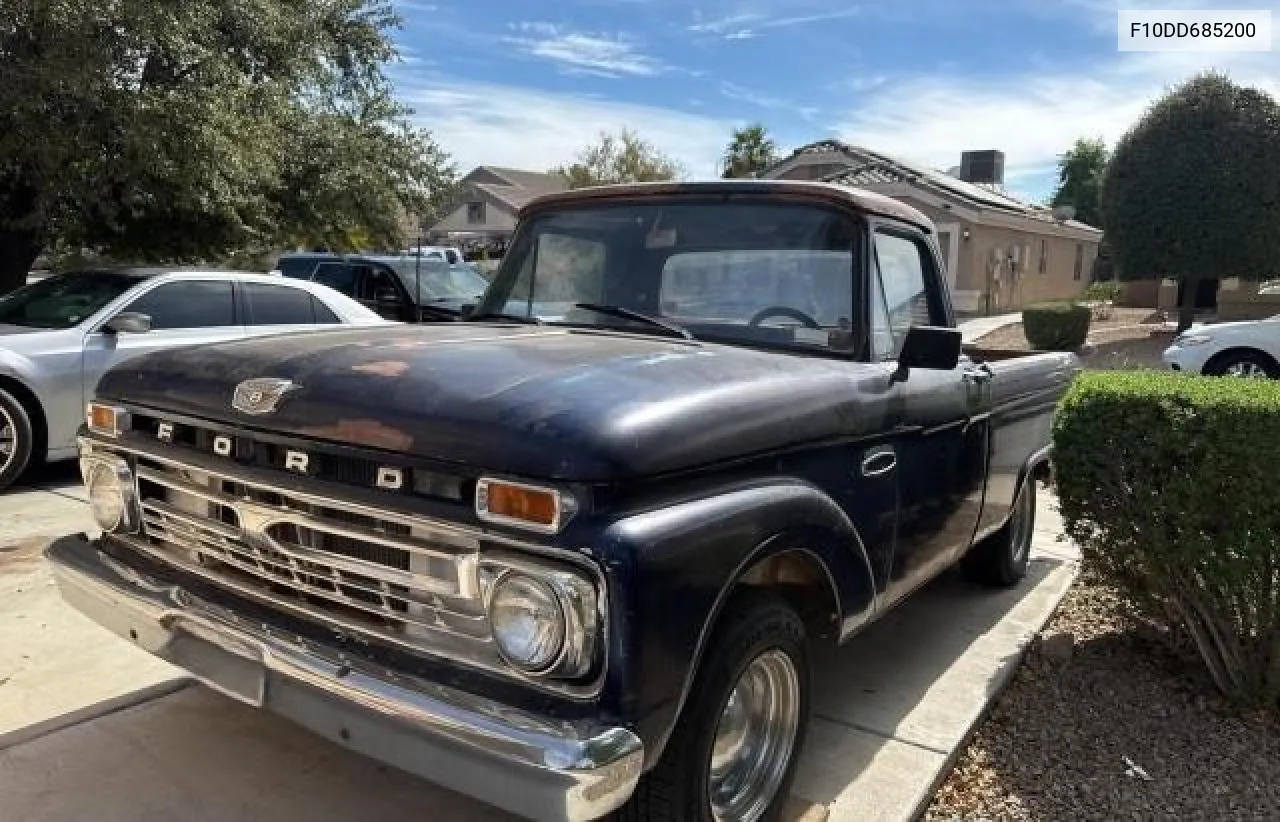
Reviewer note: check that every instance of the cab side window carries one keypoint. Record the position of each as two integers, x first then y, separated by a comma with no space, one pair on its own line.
377,281
279,305
901,293
188,304
341,277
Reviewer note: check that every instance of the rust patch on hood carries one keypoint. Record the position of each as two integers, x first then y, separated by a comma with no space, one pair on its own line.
384,368
364,432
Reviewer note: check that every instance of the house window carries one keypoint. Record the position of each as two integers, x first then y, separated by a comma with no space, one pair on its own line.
475,213
1044,256
1079,272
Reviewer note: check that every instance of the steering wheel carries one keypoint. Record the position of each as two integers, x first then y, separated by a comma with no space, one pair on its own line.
783,311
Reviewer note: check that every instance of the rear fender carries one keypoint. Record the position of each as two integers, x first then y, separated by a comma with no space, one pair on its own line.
672,570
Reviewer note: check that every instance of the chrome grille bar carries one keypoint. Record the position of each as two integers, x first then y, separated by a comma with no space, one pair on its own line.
283,544
388,602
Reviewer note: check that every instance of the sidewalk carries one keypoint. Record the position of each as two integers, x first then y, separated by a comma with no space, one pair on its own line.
90,727
56,666
981,326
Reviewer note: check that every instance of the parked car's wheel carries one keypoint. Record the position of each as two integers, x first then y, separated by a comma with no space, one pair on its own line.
1001,559
16,439
1242,364
733,754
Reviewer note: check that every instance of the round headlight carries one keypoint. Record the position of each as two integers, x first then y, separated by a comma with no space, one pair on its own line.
527,621
106,496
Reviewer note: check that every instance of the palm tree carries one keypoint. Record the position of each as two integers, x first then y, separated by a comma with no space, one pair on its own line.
750,152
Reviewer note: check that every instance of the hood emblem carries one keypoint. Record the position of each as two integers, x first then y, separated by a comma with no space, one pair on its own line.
260,395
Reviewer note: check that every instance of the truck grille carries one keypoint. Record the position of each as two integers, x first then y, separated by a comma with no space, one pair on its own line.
373,571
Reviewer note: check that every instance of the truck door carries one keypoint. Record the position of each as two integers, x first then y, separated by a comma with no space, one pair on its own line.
939,419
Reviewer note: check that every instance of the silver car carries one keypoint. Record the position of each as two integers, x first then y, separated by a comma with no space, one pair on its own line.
58,335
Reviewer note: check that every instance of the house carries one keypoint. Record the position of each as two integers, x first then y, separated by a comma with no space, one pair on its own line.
490,198
1001,252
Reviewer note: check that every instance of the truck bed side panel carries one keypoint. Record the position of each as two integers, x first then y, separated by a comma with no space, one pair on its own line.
1025,391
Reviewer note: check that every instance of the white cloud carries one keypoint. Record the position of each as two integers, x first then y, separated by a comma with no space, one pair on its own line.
748,25
607,55
532,129
1032,118
741,94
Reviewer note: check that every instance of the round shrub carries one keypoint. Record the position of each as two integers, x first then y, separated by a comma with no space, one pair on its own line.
1168,485
1056,326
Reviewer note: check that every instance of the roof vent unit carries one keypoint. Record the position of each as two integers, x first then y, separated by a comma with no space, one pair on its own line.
982,166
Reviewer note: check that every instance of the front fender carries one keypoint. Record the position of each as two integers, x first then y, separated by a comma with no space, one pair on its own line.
16,367
670,572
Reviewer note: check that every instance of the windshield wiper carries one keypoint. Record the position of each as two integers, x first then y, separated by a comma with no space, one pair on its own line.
628,314
528,319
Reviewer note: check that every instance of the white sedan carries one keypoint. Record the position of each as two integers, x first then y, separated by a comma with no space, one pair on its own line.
1241,349
59,334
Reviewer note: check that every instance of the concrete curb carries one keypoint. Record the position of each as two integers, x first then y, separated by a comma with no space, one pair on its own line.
96,710
1065,578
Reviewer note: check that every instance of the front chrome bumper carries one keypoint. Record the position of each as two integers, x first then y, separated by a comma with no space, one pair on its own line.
529,765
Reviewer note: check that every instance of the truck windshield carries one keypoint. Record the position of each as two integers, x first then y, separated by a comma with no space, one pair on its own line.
763,273
440,280
64,300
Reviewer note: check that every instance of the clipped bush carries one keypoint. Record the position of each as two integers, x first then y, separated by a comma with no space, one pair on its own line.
1103,292
1169,485
1056,326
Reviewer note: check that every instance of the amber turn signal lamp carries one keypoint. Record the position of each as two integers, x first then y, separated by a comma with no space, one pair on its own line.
514,503
107,420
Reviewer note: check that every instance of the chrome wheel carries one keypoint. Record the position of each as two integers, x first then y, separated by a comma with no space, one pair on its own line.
755,738
1245,368
1023,520
8,439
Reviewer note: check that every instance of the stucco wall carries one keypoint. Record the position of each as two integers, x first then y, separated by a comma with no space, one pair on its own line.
1013,286
496,217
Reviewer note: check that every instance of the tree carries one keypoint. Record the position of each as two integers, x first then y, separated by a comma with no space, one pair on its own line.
1080,173
621,158
750,152
1193,190
189,131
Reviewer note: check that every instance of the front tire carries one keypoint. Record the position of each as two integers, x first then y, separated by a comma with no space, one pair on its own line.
1000,560
16,439
733,753
1248,364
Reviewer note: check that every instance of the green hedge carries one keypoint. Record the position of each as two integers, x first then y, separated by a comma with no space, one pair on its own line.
1056,326
1169,484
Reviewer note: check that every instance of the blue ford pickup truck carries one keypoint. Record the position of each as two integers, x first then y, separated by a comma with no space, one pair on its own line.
572,555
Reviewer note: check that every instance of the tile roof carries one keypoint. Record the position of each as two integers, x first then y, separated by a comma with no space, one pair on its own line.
538,182
514,197
869,168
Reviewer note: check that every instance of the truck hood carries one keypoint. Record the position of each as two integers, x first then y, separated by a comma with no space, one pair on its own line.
555,403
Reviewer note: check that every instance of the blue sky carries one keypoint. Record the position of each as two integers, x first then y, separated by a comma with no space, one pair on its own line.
527,85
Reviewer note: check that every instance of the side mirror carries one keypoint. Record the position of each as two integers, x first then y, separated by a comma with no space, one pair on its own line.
386,296
128,322
934,348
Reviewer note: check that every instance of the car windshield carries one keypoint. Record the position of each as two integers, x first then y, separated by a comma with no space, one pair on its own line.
440,280
767,273
63,300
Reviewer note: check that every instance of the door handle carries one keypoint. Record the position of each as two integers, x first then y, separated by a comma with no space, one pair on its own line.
879,463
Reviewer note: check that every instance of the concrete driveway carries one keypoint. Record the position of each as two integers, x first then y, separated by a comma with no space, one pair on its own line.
92,728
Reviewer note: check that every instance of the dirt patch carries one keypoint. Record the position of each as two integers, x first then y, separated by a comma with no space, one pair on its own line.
1117,726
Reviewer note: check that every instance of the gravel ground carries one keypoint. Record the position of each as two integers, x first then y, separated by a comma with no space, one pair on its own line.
1106,719
1115,725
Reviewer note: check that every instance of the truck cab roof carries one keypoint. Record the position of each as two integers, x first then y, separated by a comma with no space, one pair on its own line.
859,199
